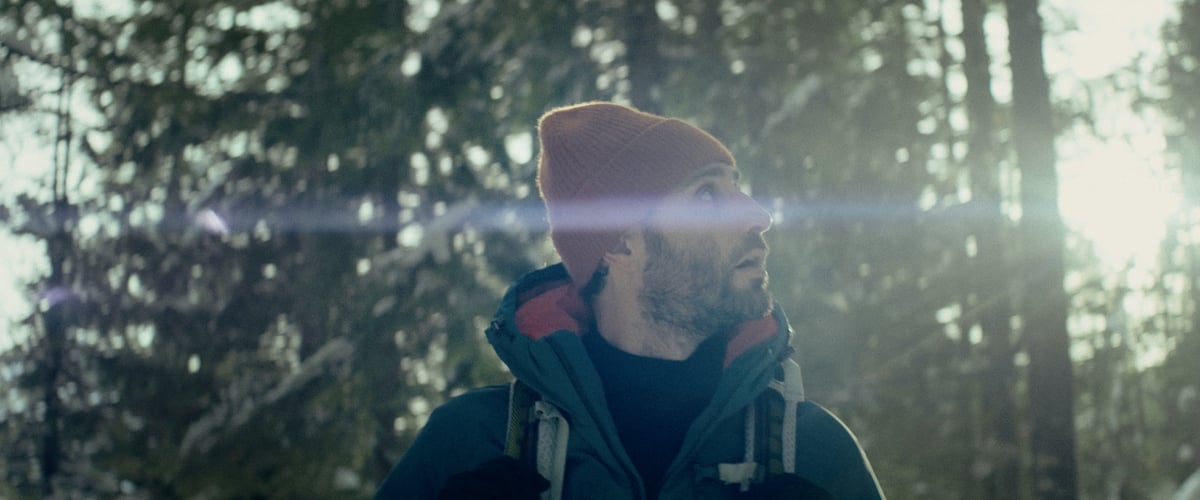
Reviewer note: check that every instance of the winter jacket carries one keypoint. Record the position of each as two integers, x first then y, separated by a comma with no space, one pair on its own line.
535,333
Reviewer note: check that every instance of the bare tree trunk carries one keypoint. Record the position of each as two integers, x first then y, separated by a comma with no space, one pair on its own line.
1043,300
998,377
643,33
58,294
966,425
55,324
1191,187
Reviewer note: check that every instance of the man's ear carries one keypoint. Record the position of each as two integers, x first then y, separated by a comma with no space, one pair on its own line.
623,252
622,246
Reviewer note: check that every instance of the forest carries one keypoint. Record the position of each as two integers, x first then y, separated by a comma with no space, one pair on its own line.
252,244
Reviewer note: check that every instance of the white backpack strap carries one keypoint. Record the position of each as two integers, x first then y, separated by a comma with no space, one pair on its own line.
746,472
553,432
792,390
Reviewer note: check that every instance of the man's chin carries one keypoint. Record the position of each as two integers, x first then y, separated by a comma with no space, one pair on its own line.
754,303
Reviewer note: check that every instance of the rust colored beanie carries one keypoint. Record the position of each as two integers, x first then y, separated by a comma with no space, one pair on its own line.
604,166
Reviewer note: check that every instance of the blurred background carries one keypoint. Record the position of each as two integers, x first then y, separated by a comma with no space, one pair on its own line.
247,246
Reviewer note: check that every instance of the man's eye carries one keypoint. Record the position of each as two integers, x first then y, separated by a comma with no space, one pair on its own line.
706,193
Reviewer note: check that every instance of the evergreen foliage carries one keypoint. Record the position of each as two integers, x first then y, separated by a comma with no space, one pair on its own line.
275,232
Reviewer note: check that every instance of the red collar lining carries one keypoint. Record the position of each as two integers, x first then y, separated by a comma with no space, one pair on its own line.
555,306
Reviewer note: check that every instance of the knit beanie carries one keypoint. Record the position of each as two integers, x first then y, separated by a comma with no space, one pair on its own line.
602,169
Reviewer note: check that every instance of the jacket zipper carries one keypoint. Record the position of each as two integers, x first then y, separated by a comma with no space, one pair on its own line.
619,448
685,456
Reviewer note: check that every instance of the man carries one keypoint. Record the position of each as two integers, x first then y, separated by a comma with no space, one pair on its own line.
651,342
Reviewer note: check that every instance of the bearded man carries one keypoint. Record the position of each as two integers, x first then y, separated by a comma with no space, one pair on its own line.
649,351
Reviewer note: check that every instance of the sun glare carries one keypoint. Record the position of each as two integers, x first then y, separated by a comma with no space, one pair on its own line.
1118,198
1114,188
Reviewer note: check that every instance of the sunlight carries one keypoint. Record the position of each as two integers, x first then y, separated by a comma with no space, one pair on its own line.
1118,198
1091,38
24,263
1114,188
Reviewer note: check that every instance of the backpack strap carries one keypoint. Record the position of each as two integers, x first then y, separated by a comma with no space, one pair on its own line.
548,441
553,432
790,391
520,400
770,431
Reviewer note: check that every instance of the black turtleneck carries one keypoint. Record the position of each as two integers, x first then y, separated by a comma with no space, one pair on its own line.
654,401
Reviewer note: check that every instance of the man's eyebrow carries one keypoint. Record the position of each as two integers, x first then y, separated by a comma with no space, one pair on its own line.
714,170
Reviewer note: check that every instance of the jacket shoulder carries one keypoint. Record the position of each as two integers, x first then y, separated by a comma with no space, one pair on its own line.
461,434
829,454
478,408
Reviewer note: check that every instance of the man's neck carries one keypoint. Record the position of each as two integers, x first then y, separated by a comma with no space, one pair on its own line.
624,324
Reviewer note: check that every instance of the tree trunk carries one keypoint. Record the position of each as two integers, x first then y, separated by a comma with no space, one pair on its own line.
991,278
968,428
55,324
58,294
1043,299
643,32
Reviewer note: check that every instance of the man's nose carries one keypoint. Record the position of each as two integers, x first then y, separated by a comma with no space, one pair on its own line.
752,216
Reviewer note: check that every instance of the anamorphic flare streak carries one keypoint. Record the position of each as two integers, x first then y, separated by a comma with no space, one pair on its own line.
617,214
610,214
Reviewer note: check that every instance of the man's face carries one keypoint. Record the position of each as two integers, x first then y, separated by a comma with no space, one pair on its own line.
704,270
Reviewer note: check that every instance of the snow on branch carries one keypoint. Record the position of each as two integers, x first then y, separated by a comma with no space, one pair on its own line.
229,415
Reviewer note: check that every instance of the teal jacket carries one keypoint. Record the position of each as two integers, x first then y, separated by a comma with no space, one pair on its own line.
535,333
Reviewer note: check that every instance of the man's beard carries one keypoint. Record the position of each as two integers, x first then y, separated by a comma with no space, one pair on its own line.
692,289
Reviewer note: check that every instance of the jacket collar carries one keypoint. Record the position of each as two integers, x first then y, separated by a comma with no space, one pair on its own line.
548,303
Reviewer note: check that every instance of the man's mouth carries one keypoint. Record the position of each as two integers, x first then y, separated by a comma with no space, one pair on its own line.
755,260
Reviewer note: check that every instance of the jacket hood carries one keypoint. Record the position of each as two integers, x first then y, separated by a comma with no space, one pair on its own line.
543,305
